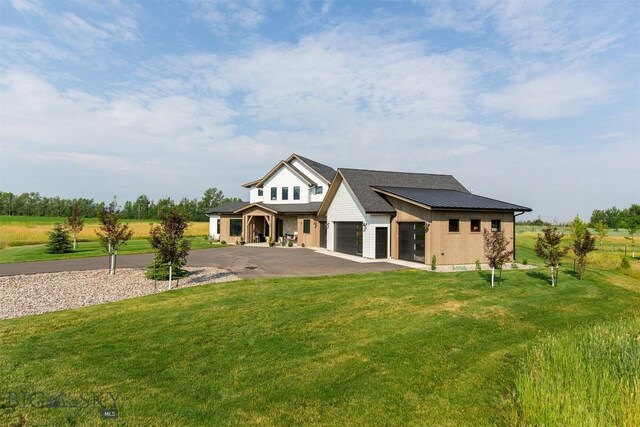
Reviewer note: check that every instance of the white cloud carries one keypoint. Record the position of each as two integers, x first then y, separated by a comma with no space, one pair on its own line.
224,16
551,96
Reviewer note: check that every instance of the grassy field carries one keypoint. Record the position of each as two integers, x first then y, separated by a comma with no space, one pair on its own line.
403,348
88,249
25,230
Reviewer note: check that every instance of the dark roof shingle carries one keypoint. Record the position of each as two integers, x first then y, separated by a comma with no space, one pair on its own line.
327,172
227,207
452,199
361,182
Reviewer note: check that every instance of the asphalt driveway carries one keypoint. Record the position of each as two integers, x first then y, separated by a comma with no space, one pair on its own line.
245,261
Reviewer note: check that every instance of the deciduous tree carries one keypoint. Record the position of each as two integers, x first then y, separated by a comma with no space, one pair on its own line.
495,249
112,233
170,245
583,243
548,248
602,230
75,223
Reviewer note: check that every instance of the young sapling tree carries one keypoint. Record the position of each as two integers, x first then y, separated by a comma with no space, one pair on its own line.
548,248
495,249
602,230
75,223
59,241
583,243
112,233
171,247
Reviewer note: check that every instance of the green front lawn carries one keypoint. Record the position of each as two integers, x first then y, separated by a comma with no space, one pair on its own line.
86,250
400,348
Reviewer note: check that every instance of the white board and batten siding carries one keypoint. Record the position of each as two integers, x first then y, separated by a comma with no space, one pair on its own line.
315,177
213,226
345,208
285,178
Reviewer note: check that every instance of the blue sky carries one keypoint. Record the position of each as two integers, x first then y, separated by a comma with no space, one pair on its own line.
533,102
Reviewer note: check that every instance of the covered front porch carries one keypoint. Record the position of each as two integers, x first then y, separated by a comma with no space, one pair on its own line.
261,223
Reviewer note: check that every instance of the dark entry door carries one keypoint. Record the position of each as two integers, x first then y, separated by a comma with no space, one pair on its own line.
348,238
411,245
381,242
279,227
323,234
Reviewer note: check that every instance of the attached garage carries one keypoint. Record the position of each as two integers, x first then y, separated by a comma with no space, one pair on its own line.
348,237
411,241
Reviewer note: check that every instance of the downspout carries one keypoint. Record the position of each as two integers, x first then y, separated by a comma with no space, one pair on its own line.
514,233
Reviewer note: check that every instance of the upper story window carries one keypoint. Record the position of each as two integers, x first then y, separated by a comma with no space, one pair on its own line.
454,225
274,193
260,192
495,225
296,193
285,193
319,189
475,225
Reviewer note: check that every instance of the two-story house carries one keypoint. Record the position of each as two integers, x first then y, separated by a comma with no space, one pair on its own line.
282,204
367,213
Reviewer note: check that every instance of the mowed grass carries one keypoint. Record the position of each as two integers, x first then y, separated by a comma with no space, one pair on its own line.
89,249
399,348
24,230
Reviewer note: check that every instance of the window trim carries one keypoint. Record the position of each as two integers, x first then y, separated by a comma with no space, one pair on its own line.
285,193
296,191
471,225
274,193
231,227
319,189
457,225
260,192
306,226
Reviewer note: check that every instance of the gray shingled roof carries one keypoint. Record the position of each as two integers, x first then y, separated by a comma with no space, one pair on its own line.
361,182
327,172
227,207
452,199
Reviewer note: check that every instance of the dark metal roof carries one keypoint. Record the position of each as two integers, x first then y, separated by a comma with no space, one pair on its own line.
327,172
361,182
227,207
451,199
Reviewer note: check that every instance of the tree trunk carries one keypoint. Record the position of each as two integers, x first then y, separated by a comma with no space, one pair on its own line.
493,274
553,277
75,241
170,274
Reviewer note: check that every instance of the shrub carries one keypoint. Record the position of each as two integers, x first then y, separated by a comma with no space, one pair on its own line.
59,240
224,242
290,244
514,265
433,263
624,262
478,265
525,261
159,270
302,245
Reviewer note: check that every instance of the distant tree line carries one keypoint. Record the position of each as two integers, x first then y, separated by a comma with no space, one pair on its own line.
616,218
33,204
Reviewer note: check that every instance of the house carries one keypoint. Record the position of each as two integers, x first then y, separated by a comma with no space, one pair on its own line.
367,213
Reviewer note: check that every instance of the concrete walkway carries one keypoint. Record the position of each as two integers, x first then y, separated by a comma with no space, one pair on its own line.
246,262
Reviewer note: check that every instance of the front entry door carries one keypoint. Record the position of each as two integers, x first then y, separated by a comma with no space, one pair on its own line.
323,234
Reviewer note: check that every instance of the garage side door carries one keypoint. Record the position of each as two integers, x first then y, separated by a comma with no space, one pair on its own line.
348,237
411,244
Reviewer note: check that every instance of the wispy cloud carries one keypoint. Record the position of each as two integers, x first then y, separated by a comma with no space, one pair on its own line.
224,16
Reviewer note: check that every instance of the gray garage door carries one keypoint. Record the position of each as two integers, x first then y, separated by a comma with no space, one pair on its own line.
411,242
348,238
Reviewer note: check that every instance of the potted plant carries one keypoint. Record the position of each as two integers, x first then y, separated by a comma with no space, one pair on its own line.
271,242
242,242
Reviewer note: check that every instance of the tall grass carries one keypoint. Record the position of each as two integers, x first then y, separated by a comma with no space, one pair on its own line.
584,378
15,232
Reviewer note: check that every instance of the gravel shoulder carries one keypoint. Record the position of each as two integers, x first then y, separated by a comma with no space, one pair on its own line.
28,294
